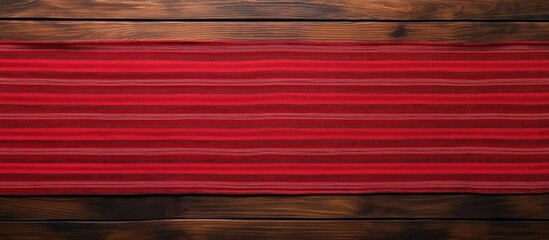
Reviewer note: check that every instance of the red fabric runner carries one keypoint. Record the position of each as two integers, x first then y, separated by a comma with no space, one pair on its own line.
134,117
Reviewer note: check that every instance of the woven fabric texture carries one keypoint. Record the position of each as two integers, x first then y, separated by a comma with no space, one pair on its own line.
243,117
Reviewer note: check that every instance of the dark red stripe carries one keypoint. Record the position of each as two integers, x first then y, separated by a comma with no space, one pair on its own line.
264,55
273,123
279,108
326,88
280,74
287,144
389,178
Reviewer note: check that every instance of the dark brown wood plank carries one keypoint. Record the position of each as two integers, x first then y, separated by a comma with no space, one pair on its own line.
340,31
272,9
461,206
276,229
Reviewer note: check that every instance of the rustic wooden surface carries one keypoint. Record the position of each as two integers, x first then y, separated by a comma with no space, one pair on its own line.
274,9
277,229
376,206
338,31
375,216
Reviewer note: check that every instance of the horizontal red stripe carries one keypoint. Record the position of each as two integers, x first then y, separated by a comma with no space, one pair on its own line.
224,89
227,54
183,75
267,65
260,109
271,116
278,168
268,134
215,188
30,121
254,45
266,83
272,98
266,178
202,189
288,144
265,151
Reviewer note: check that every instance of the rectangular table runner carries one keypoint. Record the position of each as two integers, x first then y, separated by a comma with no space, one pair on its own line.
275,117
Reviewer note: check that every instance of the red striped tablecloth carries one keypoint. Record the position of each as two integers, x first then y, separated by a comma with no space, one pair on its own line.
273,117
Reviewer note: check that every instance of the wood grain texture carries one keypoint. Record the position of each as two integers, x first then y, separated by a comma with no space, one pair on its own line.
272,9
380,216
460,206
334,31
275,229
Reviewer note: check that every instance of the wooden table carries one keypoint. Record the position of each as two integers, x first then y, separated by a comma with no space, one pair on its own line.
374,216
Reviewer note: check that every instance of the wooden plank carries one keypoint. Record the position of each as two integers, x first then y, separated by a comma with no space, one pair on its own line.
272,9
276,229
461,206
339,31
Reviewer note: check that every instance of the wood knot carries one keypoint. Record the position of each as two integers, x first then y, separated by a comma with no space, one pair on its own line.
400,32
